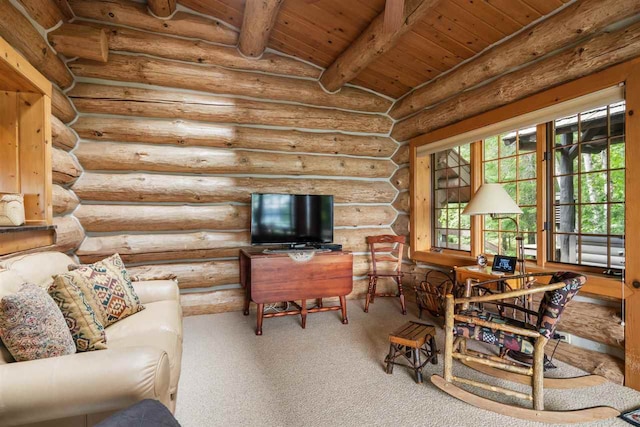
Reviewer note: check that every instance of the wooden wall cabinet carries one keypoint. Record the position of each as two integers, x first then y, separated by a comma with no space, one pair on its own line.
25,150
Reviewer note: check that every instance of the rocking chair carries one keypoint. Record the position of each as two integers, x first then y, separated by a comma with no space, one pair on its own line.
473,322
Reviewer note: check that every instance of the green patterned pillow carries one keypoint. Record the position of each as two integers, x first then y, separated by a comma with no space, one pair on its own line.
108,289
32,327
86,330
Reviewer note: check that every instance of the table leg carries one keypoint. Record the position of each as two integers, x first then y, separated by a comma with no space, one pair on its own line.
319,302
343,306
247,301
303,312
260,315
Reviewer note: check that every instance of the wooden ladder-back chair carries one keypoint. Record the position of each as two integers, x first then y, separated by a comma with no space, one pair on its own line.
381,248
472,322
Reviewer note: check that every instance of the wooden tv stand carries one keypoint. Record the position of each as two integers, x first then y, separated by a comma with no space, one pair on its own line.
275,277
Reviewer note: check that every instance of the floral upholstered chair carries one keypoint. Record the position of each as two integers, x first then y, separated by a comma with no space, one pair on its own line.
473,322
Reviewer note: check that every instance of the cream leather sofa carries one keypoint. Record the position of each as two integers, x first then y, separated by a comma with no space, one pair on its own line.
142,360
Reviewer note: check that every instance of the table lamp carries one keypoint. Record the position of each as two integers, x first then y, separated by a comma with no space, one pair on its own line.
493,200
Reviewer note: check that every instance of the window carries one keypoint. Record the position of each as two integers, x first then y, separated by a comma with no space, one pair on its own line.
510,159
589,188
451,192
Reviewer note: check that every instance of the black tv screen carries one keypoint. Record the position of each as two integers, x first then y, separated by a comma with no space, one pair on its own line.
291,219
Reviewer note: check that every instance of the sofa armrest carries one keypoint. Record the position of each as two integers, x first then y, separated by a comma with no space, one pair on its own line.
156,290
82,383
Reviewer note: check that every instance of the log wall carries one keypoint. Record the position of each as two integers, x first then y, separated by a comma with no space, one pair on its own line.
158,149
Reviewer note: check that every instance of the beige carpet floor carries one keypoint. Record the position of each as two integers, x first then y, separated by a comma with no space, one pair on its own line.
331,374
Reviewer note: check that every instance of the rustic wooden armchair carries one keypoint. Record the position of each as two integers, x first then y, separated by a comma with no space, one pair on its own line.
471,321
381,247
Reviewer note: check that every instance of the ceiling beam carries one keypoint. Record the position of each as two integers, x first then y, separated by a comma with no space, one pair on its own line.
575,22
162,8
587,57
371,44
257,23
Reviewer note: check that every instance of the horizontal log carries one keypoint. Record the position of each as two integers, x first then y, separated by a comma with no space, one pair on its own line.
572,23
110,218
590,361
401,178
587,57
142,248
90,98
191,274
189,133
218,80
64,166
215,189
62,136
157,158
258,21
135,15
401,157
197,303
61,106
72,40
401,203
16,29
198,51
69,234
44,12
162,8
64,201
595,322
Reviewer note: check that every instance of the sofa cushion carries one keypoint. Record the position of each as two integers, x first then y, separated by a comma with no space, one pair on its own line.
160,326
86,330
10,282
38,268
107,288
32,326
157,290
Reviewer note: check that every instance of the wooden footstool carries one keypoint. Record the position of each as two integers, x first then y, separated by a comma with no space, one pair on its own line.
409,341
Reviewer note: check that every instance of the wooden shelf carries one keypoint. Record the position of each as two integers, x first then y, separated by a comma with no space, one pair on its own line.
25,150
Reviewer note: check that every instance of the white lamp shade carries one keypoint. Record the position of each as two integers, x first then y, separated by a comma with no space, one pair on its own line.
491,199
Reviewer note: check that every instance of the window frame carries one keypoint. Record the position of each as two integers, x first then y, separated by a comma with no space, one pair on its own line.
598,284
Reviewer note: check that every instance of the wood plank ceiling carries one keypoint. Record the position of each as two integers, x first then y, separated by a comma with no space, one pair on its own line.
319,30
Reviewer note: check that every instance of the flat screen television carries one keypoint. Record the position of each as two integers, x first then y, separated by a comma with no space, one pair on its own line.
291,219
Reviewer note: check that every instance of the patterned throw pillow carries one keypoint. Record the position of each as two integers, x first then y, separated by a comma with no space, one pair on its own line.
32,327
86,330
108,289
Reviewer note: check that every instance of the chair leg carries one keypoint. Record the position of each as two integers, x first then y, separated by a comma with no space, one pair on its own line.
373,292
369,290
401,292
538,374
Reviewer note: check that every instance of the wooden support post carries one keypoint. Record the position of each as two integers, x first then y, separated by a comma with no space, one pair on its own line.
538,374
80,41
371,44
632,219
162,8
257,23
448,339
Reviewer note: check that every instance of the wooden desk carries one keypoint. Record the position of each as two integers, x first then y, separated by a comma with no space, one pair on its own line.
275,277
482,274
